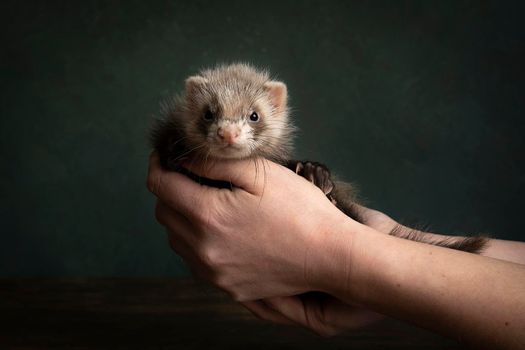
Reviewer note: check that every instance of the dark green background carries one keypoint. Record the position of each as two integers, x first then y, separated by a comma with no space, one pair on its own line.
420,103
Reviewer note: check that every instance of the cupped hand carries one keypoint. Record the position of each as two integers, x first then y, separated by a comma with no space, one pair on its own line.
318,312
264,238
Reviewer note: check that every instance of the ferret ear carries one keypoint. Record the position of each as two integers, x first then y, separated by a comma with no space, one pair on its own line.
278,94
194,83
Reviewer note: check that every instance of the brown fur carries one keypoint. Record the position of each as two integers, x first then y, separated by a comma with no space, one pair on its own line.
231,93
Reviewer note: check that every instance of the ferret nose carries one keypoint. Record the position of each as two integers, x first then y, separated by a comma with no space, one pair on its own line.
228,133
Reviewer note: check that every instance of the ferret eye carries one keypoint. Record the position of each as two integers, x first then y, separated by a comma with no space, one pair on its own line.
208,116
254,117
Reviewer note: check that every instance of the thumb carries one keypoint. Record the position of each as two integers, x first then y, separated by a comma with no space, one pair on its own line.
248,174
176,190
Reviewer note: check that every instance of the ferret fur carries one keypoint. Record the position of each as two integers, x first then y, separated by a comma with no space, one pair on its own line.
230,94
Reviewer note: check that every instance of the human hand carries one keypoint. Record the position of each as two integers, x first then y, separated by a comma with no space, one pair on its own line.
264,238
375,219
318,312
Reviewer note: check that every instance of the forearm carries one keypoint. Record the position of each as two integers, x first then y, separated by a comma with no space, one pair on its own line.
471,298
499,249
505,250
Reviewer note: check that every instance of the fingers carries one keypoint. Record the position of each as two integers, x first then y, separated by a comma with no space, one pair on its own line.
154,173
175,222
181,236
325,318
374,218
176,190
338,314
245,174
262,311
169,218
304,312
290,307
356,318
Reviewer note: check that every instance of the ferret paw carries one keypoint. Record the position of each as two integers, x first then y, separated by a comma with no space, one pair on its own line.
316,173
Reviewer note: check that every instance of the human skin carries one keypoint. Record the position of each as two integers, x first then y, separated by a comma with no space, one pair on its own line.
511,251
277,236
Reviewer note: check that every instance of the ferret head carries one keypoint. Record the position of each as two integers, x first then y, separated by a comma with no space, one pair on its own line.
236,111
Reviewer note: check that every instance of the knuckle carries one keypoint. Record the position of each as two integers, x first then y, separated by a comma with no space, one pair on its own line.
207,216
208,256
200,218
200,212
237,296
153,183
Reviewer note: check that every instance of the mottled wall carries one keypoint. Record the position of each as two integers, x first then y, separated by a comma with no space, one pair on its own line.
421,103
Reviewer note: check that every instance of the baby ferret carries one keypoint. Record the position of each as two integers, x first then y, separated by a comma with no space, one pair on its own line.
236,111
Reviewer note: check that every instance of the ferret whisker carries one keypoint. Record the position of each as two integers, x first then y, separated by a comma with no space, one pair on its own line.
188,152
256,171
179,140
227,92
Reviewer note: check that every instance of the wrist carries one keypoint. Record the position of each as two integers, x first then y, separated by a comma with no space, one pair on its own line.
358,257
331,257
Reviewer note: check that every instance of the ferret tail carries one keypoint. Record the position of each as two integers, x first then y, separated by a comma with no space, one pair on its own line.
472,244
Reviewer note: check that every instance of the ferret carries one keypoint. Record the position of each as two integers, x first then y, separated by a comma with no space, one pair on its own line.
238,112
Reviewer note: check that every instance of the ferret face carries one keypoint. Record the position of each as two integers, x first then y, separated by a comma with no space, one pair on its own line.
233,128
236,112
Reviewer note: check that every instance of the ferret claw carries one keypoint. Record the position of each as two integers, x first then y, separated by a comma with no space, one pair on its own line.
316,173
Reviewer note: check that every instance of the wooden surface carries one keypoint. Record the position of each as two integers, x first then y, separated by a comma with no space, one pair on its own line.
162,314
